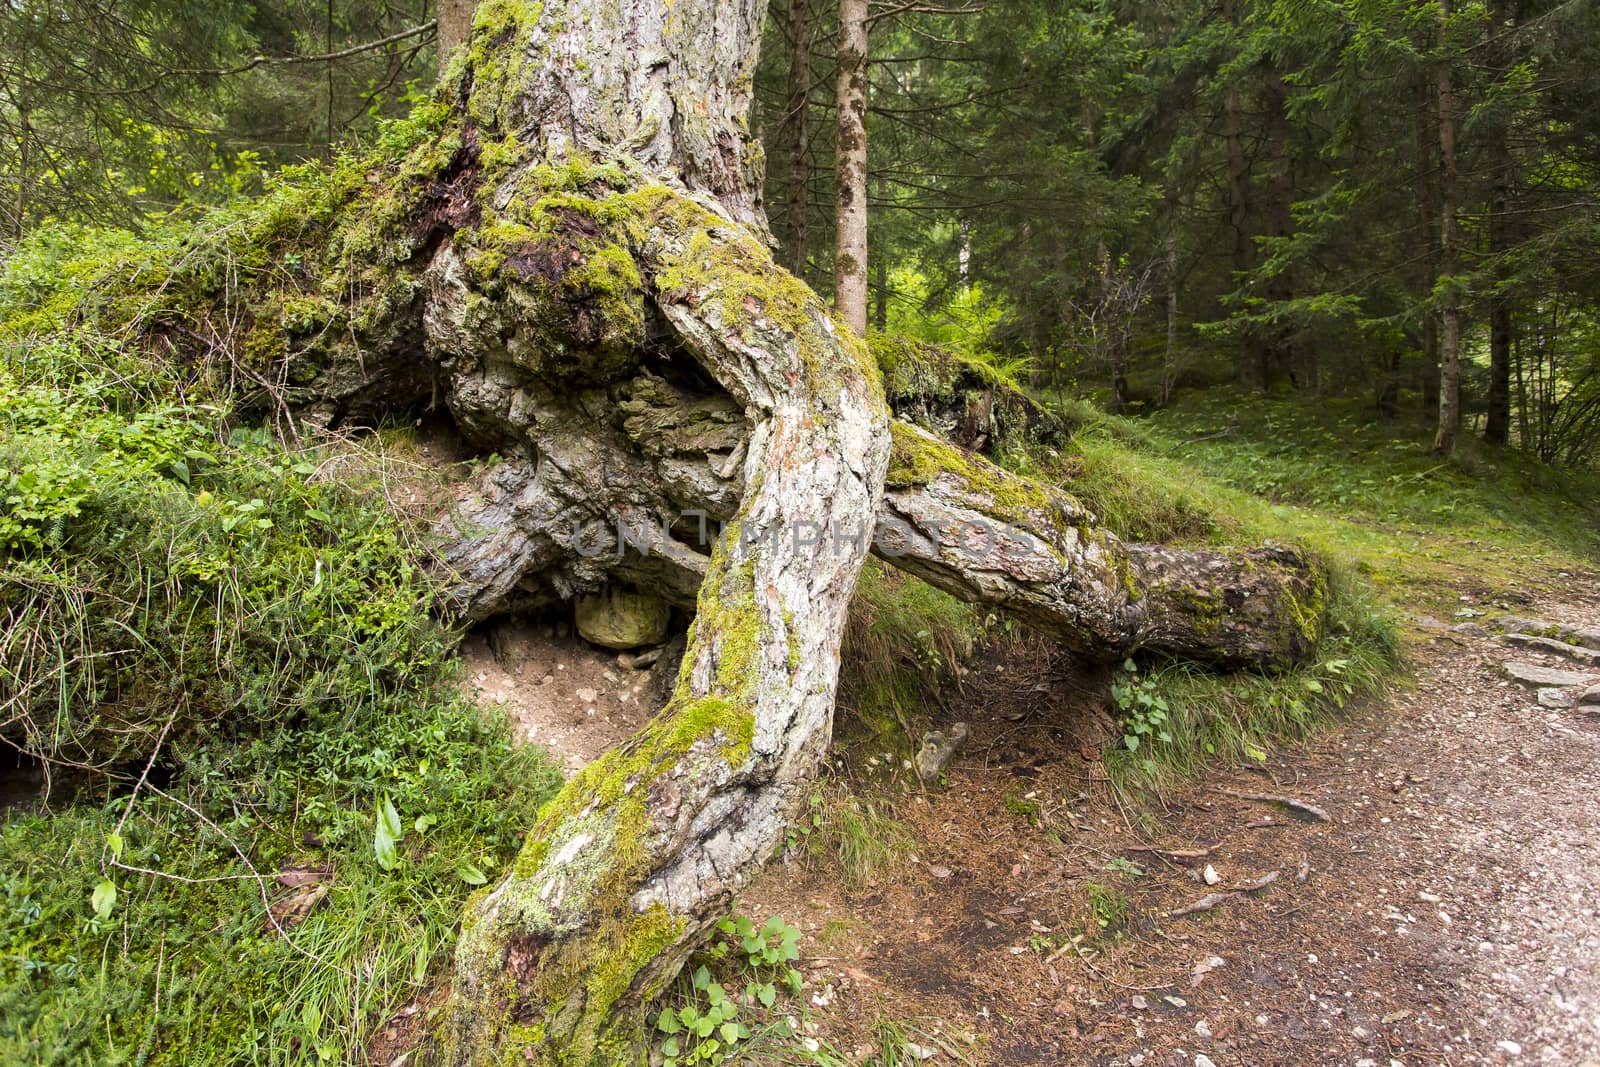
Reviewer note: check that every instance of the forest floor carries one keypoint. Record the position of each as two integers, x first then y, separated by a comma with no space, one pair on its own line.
1445,914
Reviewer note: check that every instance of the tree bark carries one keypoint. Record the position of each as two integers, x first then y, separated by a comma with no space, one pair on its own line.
1497,419
1444,441
794,137
1426,128
850,178
1284,353
454,24
1251,368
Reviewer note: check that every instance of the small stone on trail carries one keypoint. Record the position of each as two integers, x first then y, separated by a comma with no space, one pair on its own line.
1202,1060
1469,629
1587,656
938,749
1211,876
1139,1003
1510,1048
1590,697
586,695
1535,675
1555,698
639,661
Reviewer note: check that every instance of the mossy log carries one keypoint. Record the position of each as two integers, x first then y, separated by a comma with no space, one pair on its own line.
567,253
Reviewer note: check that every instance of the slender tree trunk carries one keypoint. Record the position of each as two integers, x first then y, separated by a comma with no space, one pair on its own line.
1169,367
24,146
880,273
850,145
1449,260
1284,354
1251,365
1497,421
793,141
1426,131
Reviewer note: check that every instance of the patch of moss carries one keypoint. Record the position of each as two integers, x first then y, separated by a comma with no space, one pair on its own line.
919,459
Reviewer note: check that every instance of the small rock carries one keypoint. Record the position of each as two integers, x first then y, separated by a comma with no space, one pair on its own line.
1469,629
586,695
1533,674
1210,875
1202,1060
1590,697
1521,624
1510,1048
1203,1029
1429,898
1587,656
639,661
1555,698
1428,622
1139,1003
622,619
1176,1002
938,749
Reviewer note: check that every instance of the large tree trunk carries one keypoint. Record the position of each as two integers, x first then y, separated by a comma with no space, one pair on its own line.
850,178
574,262
1444,441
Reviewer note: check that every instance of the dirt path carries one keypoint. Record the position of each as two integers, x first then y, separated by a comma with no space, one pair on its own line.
1446,915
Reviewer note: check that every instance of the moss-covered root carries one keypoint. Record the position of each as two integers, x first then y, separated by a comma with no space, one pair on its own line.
986,535
641,852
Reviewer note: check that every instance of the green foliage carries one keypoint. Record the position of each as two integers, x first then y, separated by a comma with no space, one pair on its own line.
162,584
238,636
1144,711
855,835
145,911
701,1023
903,639
115,110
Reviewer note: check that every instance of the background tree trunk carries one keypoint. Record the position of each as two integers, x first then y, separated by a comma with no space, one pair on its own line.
794,136
1426,129
1284,354
1497,419
850,147
1449,260
454,24
1251,360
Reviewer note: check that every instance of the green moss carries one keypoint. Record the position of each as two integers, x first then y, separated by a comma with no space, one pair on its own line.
918,459
498,53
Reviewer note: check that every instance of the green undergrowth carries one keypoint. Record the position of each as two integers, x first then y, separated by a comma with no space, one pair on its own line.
1224,466
223,647
901,650
1400,529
